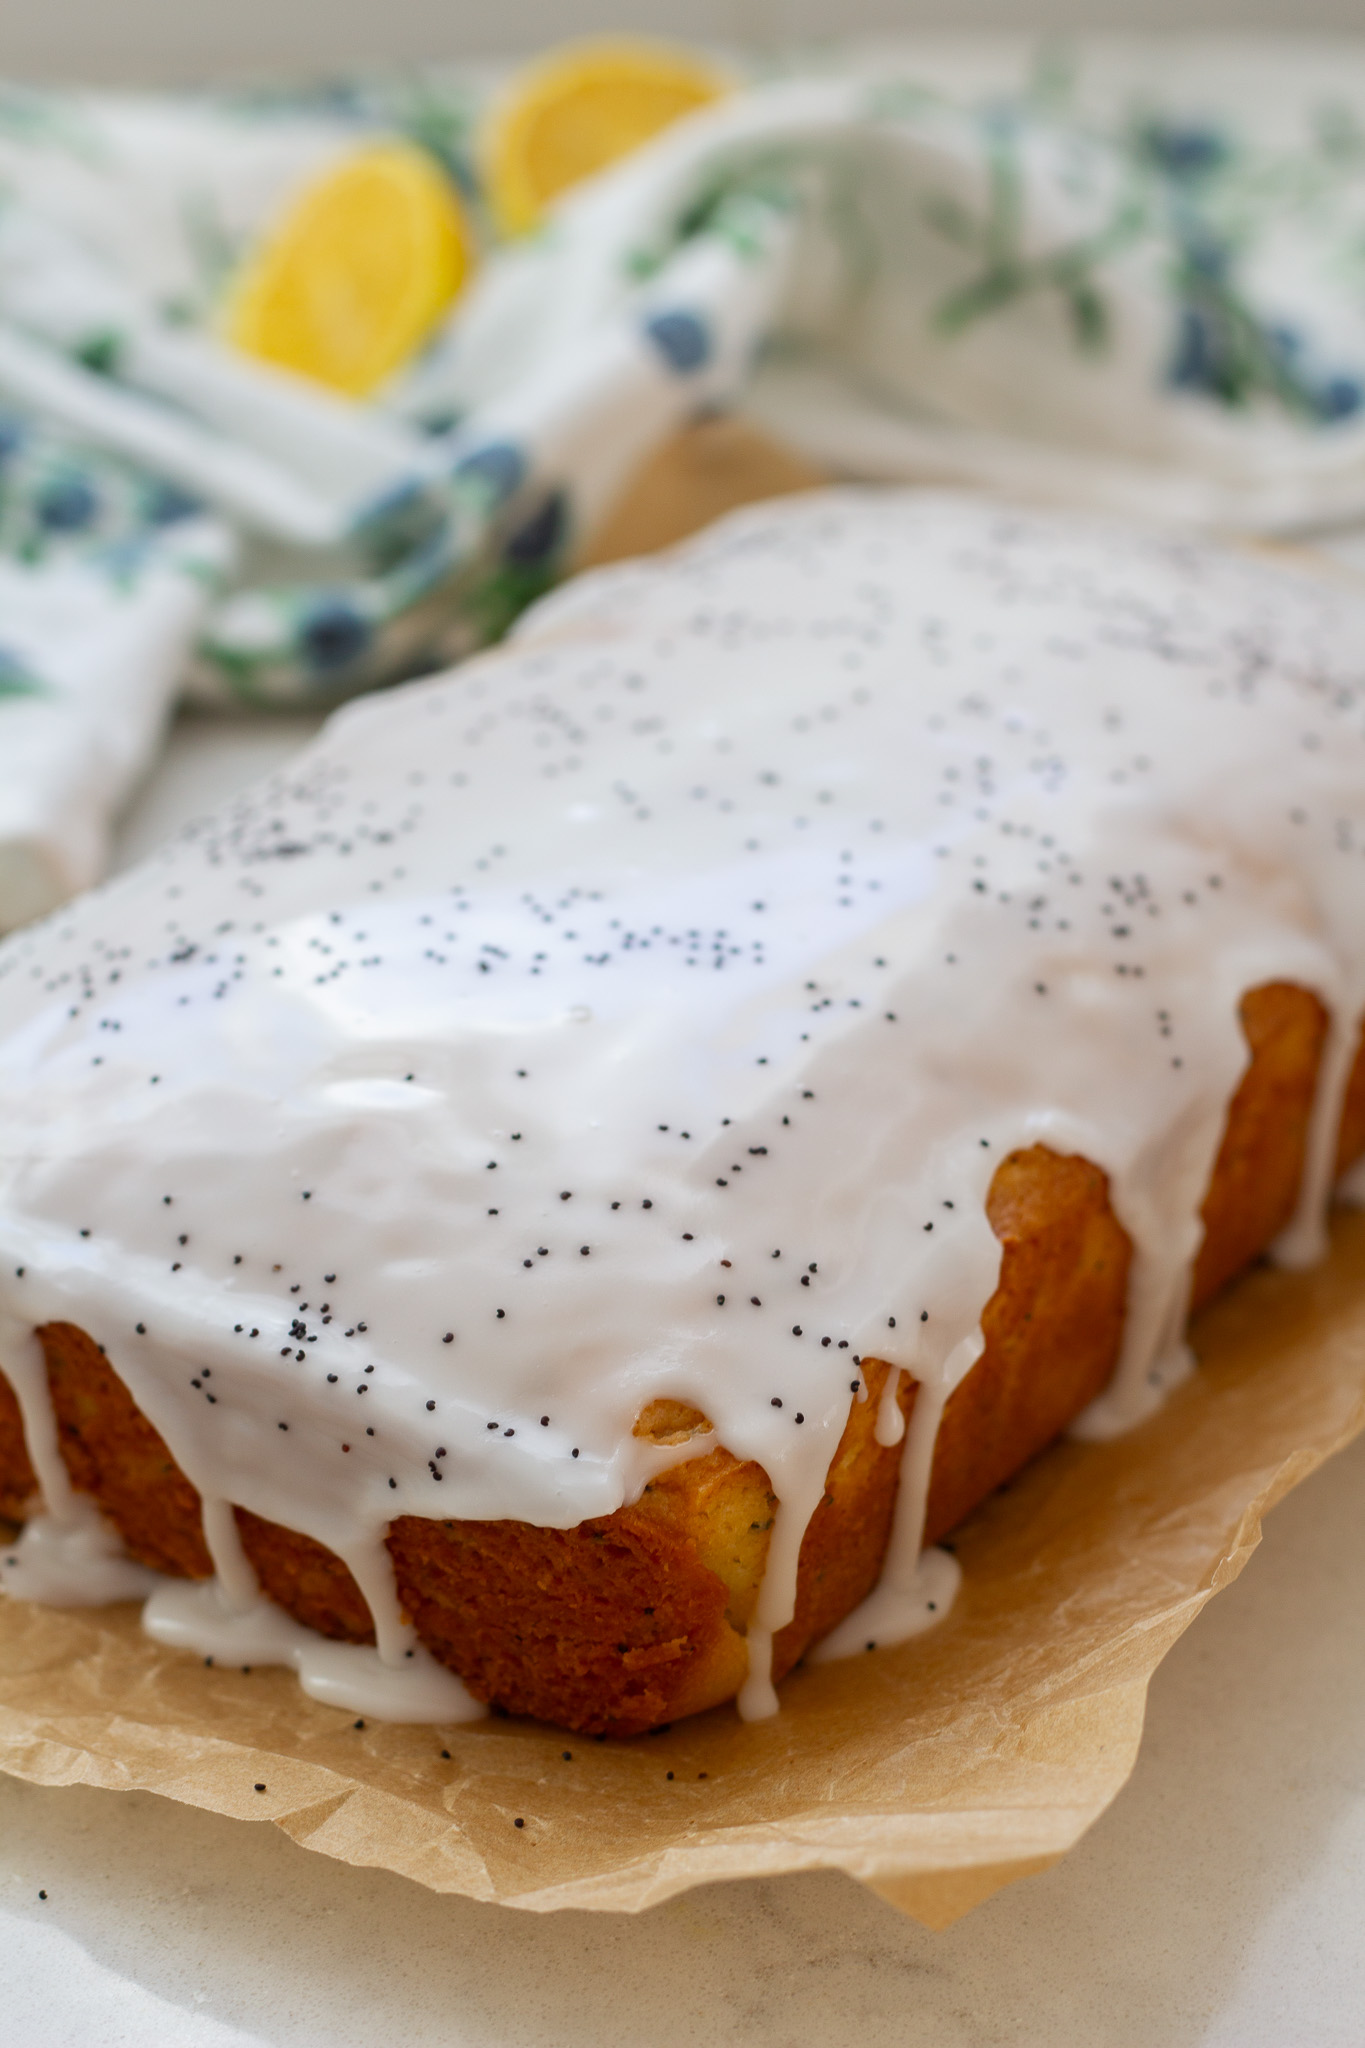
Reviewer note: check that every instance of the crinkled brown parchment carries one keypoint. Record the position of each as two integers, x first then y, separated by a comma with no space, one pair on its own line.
934,1773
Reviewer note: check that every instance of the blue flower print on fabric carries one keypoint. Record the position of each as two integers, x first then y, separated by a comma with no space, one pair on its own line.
67,505
1340,398
168,504
1223,352
498,468
537,541
1183,153
682,339
16,679
333,635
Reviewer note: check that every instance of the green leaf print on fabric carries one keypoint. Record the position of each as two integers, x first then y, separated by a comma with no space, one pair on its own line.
16,680
997,238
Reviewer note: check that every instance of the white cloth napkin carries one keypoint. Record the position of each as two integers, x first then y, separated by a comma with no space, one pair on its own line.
103,579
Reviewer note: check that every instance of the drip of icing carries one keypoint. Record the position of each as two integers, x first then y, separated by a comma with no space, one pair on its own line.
234,1578
900,1606
896,1609
890,1419
1303,1241
757,1699
1154,1357
372,1569
917,1586
21,1361
201,1616
602,1024
76,1562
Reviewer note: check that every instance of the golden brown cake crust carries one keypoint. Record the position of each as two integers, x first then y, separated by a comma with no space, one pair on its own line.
638,1617
18,1481
1053,1328
306,1578
1256,1177
110,1450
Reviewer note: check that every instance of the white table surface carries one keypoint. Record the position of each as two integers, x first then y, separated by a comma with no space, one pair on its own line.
1220,1901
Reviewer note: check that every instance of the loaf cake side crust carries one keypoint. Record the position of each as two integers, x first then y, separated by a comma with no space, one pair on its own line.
1066,1256
638,1617
18,1480
112,1452
1255,1182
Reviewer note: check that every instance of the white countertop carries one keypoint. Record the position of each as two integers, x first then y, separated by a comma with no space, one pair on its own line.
1220,1901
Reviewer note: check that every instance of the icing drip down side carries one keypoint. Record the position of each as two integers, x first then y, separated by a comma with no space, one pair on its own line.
643,1011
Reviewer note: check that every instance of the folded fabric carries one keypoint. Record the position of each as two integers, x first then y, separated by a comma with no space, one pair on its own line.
1094,285
1124,303
104,577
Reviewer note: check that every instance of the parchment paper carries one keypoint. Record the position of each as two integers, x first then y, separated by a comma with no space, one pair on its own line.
934,1773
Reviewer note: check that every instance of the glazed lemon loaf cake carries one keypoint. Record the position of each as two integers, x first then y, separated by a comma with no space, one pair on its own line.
556,1199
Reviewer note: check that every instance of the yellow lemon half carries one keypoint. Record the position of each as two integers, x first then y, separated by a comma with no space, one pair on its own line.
578,110
358,271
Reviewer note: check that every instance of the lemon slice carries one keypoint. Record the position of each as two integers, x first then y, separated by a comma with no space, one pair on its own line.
579,109
358,271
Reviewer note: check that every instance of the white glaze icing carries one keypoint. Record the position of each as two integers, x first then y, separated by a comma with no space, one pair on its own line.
644,1009
198,1615
76,1560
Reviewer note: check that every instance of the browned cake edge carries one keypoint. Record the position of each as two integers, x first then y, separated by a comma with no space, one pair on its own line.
638,1617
